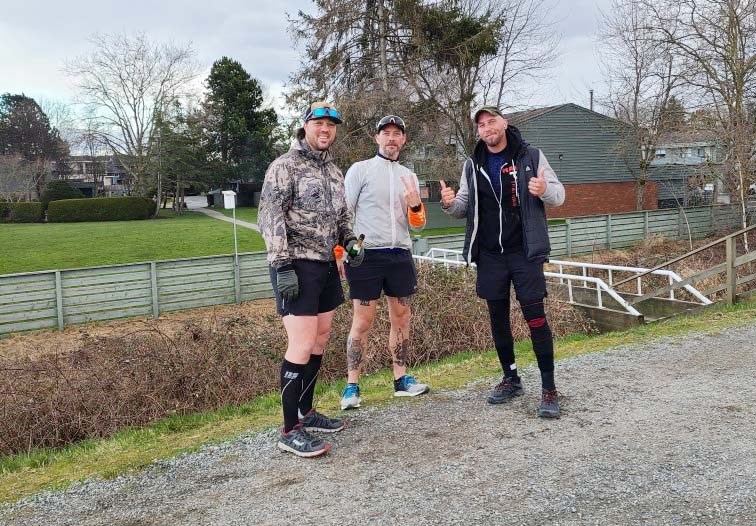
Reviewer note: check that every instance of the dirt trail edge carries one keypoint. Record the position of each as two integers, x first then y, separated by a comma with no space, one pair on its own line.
659,433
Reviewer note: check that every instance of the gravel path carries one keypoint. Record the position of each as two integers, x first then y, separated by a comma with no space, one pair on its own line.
659,433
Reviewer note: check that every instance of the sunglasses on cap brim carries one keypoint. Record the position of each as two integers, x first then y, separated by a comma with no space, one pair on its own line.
391,119
321,113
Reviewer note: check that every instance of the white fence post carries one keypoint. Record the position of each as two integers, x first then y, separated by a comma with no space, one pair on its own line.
59,298
155,299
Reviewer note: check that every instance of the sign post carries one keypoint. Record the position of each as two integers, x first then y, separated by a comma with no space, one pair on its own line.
229,201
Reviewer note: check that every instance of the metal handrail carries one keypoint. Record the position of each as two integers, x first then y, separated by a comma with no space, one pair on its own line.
671,275
601,285
444,253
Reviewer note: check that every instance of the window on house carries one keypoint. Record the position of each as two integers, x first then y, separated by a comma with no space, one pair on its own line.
661,153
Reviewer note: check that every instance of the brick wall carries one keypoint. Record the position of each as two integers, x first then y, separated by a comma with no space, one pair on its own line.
603,198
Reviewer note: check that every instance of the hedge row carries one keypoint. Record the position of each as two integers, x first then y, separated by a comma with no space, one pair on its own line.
59,190
22,212
100,209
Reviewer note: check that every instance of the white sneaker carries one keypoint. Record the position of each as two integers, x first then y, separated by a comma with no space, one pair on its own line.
350,397
408,386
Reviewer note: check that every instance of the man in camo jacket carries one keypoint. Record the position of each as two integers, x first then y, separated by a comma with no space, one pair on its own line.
303,215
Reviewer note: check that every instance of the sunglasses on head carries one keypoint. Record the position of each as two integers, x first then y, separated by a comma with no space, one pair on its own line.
319,113
390,119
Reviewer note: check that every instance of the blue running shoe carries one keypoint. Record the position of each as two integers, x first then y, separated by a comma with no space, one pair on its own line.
350,397
408,386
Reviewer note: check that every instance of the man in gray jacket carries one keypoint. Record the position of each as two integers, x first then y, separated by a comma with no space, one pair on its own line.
503,190
384,197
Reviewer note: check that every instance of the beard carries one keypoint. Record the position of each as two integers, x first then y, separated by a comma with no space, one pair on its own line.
494,139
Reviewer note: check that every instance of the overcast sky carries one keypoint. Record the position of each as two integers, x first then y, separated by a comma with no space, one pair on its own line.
34,46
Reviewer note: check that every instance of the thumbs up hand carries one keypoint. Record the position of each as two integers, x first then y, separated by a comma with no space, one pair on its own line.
447,195
537,185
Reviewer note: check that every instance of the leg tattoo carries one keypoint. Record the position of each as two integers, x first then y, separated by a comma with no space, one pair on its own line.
354,354
403,301
365,303
401,350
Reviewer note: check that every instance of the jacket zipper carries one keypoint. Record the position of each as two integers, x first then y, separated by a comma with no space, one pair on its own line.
498,200
523,215
392,204
475,219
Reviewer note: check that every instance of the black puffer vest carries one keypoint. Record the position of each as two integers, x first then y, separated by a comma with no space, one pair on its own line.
535,232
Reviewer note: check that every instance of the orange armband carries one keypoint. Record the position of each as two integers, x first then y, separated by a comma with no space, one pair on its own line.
338,252
416,219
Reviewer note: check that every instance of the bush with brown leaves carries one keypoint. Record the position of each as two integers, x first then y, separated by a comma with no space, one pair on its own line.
113,381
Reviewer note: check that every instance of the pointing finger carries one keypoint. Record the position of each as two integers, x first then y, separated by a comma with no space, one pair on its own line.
443,184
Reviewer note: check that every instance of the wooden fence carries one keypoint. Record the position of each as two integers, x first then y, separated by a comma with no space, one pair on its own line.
583,235
43,300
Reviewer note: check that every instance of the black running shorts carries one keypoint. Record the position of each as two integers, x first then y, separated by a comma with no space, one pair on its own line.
319,289
496,272
389,270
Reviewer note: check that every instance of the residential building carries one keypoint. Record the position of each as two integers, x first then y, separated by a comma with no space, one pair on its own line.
101,175
687,169
590,156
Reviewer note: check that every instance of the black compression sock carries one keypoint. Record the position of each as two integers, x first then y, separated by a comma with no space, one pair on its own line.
291,390
309,378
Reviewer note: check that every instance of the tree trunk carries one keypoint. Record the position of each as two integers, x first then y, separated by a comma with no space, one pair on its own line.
382,45
639,189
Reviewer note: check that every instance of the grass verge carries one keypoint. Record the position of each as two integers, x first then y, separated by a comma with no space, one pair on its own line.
47,246
131,449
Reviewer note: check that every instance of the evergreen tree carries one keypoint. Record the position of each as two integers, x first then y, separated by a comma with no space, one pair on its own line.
240,130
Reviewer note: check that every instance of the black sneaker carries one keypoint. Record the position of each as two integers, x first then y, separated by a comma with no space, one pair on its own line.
314,421
505,390
549,407
302,443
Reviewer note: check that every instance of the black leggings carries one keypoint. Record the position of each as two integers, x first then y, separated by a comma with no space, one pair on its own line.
540,335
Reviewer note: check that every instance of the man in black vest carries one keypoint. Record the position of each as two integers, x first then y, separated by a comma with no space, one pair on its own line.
503,190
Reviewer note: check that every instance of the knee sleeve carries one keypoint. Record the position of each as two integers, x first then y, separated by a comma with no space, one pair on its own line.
535,315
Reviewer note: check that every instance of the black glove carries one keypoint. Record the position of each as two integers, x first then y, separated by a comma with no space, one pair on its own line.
354,261
287,283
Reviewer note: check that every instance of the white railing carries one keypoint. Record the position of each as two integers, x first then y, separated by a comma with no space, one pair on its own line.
671,276
450,257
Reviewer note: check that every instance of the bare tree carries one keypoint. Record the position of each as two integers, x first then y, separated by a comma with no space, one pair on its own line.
528,49
19,177
126,81
62,117
433,60
716,40
642,76
90,141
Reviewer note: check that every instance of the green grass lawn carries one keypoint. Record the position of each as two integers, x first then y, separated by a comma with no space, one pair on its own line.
443,231
47,246
242,214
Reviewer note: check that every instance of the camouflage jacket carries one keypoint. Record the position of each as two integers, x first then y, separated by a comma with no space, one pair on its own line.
303,213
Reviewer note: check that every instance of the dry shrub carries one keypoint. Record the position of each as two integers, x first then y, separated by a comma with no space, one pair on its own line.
108,382
656,250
